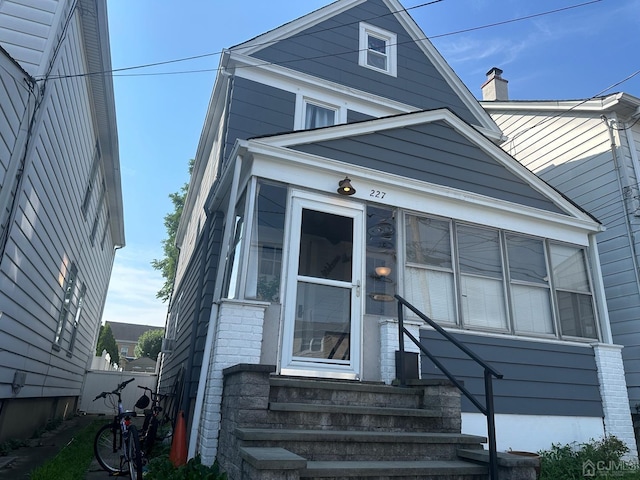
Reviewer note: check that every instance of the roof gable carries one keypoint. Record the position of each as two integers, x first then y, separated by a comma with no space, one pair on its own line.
435,147
325,44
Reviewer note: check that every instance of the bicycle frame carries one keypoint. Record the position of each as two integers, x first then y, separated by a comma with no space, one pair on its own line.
121,422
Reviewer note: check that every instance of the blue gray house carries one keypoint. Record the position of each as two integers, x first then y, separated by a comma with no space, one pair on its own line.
342,162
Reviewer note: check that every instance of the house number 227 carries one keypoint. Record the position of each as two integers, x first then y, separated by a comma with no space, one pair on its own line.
377,194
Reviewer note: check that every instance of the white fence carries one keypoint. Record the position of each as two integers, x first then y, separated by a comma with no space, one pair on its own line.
98,381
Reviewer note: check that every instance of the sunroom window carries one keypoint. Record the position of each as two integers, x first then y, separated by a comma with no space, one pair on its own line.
498,280
529,280
429,274
267,237
377,49
481,280
575,305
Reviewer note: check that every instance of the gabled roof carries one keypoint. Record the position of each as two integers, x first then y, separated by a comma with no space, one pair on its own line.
436,147
129,332
327,19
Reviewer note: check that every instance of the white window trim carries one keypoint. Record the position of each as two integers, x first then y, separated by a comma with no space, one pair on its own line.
392,52
301,104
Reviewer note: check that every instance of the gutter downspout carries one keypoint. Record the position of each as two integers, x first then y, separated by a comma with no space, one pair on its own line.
627,222
213,318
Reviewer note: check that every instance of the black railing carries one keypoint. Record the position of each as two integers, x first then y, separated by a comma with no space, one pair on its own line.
489,372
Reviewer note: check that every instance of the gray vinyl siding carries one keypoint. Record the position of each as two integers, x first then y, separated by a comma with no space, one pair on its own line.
329,51
197,288
25,30
434,153
48,233
353,116
574,156
257,110
539,378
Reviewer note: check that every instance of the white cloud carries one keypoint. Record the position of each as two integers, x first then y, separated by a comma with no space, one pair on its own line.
132,290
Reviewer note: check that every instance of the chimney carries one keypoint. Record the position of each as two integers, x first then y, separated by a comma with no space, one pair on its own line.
495,88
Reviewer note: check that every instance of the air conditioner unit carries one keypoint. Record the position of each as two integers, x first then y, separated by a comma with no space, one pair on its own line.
167,345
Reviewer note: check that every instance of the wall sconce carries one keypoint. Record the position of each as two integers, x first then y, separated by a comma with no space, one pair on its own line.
345,188
383,271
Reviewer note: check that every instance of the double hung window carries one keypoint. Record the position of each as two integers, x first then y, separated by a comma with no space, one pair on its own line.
378,49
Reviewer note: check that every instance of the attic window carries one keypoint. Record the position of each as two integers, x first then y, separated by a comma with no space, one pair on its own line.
377,49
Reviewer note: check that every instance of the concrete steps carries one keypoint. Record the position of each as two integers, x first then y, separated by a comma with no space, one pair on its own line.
283,428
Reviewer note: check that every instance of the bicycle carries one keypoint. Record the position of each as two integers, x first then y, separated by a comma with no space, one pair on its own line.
158,424
117,444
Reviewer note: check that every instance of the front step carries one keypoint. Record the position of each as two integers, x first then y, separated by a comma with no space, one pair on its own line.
325,445
398,470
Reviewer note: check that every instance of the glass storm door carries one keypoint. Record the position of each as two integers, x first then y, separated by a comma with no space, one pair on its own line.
322,327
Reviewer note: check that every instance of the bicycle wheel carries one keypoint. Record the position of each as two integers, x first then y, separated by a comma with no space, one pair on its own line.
134,454
107,448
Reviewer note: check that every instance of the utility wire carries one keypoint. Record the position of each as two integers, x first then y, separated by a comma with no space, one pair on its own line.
194,57
204,55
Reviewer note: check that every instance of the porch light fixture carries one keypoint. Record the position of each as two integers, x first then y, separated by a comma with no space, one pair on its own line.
345,188
383,271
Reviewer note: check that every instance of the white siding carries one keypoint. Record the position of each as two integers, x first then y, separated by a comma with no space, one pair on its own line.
25,30
48,232
14,116
572,151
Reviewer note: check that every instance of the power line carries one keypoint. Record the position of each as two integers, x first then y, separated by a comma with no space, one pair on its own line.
194,57
504,22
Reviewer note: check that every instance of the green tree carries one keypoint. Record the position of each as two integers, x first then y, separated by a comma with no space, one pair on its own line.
149,344
167,265
106,341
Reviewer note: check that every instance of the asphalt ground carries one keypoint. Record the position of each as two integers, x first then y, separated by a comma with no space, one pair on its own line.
19,464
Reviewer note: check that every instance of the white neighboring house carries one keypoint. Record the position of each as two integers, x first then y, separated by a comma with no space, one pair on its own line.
589,150
61,215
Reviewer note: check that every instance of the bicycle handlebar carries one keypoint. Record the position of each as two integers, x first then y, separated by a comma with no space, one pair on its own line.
118,389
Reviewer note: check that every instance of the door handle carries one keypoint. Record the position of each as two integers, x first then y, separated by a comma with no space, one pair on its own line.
357,285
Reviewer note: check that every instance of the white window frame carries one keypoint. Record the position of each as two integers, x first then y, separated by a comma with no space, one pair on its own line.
301,109
551,283
391,41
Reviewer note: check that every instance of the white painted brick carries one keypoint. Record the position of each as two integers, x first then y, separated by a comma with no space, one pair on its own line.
615,399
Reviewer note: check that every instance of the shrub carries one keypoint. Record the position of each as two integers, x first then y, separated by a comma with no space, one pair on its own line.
568,462
161,468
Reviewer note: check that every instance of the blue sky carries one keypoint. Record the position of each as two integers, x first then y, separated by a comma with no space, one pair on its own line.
573,53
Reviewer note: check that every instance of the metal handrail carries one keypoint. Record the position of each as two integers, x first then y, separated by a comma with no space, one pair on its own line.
489,372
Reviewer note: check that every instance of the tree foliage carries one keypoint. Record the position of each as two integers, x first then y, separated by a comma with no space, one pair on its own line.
149,344
106,341
167,265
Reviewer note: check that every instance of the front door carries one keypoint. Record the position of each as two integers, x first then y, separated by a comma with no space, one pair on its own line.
322,324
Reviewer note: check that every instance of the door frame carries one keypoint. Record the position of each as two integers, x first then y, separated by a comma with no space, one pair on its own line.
289,365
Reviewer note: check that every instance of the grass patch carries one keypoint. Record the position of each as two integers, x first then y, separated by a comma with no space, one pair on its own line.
72,462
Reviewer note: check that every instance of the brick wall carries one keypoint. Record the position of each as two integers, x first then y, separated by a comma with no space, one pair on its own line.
238,339
615,400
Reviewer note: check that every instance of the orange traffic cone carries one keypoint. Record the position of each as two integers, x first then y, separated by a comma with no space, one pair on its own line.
178,454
